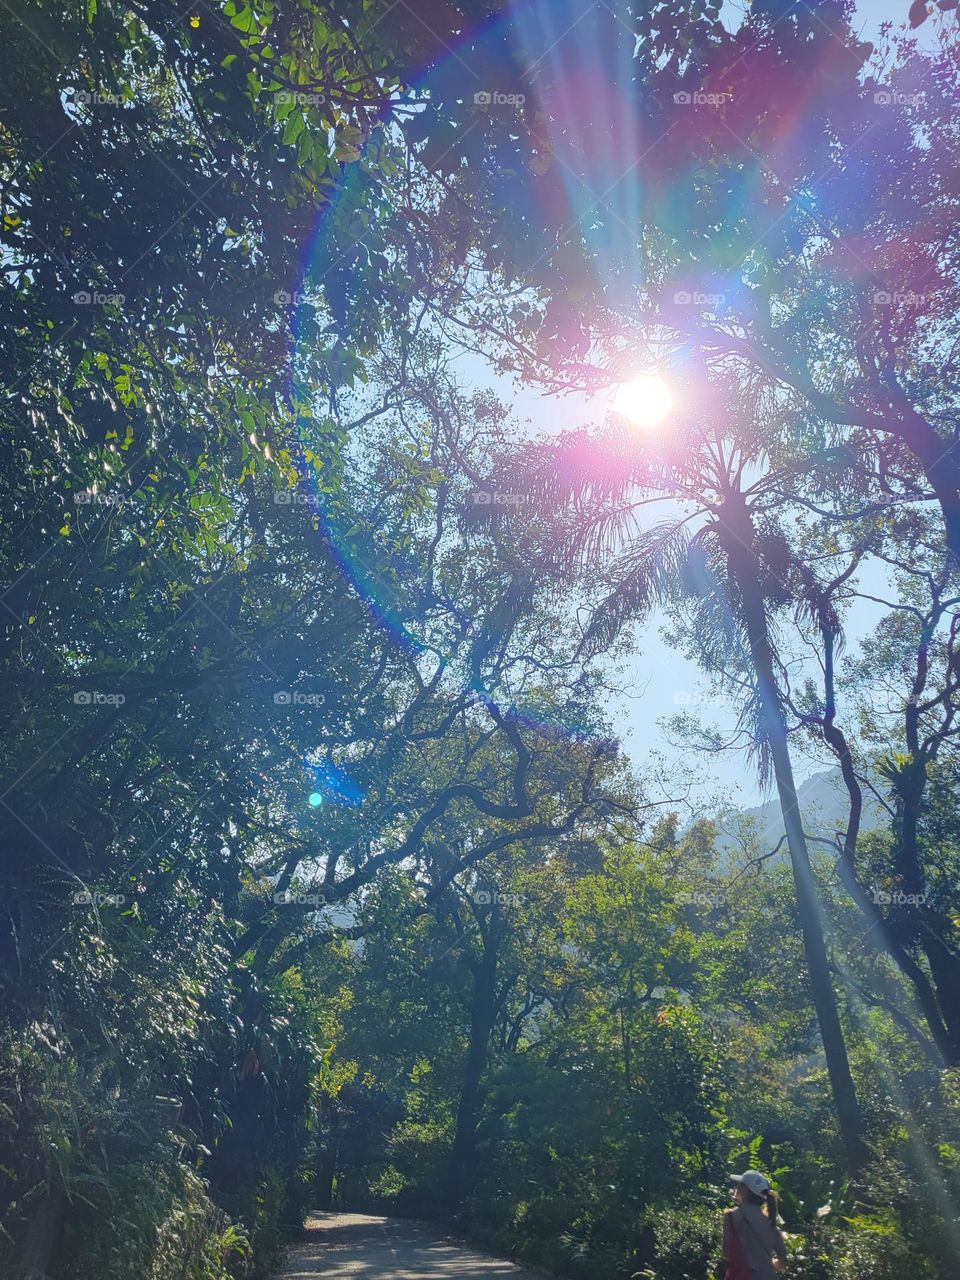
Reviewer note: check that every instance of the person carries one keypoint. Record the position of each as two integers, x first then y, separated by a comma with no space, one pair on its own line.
753,1245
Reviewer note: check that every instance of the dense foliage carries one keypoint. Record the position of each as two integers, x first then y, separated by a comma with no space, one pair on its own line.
324,876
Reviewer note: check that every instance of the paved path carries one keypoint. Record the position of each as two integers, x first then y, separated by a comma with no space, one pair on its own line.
357,1246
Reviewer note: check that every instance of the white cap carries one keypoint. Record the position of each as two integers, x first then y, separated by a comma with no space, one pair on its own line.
753,1181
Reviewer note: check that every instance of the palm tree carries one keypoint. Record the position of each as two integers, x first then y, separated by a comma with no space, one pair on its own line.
718,550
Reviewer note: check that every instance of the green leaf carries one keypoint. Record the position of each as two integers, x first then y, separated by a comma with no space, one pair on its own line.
244,20
294,128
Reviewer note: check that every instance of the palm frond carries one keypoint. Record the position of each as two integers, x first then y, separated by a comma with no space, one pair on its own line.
750,721
579,468
646,575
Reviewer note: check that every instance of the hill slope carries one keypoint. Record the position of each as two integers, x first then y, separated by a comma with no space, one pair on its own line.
823,804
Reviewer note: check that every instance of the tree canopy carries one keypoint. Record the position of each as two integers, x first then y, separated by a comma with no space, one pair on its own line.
329,872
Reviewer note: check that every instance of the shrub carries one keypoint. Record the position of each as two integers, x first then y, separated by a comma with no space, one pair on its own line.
685,1241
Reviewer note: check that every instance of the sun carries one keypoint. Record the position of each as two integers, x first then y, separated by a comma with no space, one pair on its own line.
644,400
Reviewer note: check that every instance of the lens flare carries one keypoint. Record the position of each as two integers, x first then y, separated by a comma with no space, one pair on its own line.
316,799
644,400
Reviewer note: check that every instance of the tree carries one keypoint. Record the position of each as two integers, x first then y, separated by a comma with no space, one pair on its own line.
733,570
231,674
903,687
814,250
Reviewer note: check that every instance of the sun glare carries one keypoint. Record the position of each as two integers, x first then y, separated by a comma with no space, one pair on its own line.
644,400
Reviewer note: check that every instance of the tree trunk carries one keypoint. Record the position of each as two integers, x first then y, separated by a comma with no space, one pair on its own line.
462,1166
916,925
738,536
880,932
323,1179
939,459
40,1242
625,1042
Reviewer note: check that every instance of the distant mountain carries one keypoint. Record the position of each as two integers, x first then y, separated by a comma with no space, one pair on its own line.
823,804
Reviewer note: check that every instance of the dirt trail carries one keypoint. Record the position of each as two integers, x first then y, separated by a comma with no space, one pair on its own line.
358,1246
